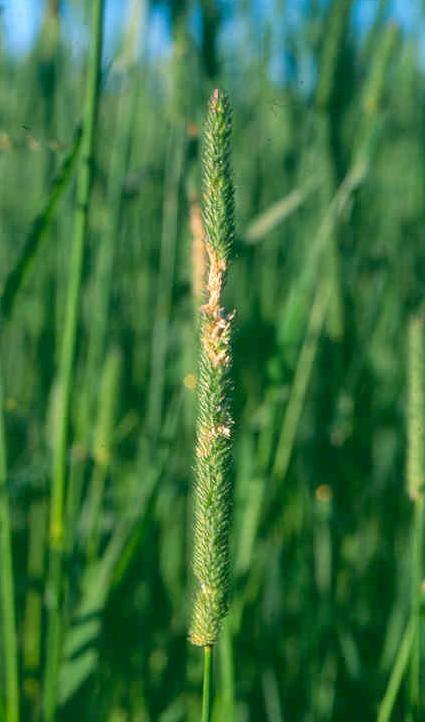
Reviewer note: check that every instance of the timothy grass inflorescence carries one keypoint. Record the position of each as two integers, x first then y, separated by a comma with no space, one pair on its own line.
213,489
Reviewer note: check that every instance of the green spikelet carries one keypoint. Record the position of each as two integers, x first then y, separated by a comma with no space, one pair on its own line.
213,492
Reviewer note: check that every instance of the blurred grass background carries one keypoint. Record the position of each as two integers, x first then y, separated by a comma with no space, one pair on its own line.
329,268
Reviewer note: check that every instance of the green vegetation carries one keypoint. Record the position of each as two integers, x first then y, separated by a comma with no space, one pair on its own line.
104,299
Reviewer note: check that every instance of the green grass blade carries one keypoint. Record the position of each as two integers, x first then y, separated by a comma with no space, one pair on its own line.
299,386
277,213
36,235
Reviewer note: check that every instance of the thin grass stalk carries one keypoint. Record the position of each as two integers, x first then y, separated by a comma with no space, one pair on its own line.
65,373
374,87
135,28
416,488
207,684
368,51
327,90
398,671
417,576
272,703
32,625
175,167
213,488
320,243
7,587
102,442
227,677
299,386
335,27
166,277
105,259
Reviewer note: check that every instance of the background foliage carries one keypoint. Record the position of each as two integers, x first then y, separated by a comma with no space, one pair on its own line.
329,265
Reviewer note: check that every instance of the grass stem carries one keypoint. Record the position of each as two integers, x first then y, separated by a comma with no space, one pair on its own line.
7,609
415,482
387,704
207,688
65,373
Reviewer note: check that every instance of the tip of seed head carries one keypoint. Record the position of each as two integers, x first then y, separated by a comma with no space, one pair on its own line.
215,100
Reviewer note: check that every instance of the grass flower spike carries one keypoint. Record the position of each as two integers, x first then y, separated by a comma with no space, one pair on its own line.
213,492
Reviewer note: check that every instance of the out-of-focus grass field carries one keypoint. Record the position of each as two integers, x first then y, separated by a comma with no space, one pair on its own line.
328,269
